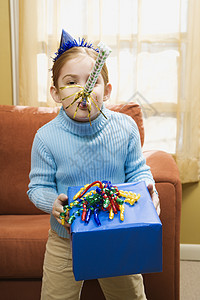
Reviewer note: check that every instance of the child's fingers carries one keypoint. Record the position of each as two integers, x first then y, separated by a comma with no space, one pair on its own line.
150,188
156,202
58,206
154,198
63,198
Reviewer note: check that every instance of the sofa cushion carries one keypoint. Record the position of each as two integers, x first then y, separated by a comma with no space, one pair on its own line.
133,110
22,243
18,125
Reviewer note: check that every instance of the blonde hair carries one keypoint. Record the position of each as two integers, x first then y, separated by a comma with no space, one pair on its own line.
73,53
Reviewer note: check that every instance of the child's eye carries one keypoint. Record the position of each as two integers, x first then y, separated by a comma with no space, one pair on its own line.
71,83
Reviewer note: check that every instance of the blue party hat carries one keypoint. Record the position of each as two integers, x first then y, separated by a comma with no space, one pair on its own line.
65,37
67,42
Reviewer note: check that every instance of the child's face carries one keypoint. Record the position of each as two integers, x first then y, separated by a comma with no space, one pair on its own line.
76,72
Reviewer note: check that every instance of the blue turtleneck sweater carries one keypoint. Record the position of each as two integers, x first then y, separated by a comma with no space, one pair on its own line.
69,153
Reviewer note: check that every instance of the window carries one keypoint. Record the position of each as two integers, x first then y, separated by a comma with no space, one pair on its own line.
147,41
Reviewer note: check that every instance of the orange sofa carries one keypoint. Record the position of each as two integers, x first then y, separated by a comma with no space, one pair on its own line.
24,229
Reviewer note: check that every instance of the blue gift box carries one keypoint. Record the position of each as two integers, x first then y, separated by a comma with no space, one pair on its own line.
118,247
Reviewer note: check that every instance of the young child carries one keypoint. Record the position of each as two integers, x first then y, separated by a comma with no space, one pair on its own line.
68,151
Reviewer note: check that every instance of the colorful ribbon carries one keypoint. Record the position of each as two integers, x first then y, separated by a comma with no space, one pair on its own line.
105,197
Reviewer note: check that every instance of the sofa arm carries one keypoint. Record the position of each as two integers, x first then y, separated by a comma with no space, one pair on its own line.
163,166
166,285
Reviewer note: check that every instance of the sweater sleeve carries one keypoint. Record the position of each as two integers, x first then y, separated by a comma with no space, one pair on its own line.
135,165
42,187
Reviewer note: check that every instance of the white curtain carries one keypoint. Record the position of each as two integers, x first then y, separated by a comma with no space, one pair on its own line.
154,61
188,109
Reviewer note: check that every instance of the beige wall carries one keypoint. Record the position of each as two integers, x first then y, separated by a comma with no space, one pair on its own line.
190,221
5,54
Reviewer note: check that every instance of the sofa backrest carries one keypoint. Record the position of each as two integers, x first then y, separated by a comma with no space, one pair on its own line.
18,125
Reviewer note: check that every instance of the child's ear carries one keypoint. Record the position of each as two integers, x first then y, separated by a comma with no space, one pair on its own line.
107,92
55,94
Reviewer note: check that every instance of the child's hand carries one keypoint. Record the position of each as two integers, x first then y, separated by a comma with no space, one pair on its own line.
58,208
154,198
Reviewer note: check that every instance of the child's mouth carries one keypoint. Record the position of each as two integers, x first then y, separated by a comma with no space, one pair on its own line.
83,105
